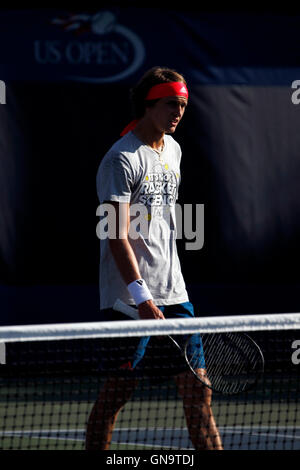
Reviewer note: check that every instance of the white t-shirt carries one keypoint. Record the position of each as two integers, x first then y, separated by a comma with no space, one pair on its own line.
133,172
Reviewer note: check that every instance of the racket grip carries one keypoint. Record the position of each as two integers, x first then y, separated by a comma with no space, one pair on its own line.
120,306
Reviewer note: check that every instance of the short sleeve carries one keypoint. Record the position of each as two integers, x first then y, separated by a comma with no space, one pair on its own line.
114,179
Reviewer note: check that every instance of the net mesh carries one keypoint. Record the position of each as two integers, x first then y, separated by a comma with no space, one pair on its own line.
61,386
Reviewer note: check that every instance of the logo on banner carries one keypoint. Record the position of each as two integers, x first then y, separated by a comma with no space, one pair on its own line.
96,48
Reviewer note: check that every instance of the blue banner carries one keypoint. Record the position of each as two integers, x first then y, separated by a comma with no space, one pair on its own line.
64,98
117,44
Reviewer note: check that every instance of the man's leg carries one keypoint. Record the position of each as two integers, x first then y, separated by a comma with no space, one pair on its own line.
201,424
113,396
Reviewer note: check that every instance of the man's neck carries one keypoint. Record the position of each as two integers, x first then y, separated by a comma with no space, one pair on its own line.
149,135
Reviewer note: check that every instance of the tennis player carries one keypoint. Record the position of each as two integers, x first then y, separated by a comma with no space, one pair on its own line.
143,168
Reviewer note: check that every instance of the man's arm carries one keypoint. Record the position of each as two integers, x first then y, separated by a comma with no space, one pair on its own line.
126,260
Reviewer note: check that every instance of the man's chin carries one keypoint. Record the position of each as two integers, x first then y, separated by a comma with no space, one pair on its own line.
171,130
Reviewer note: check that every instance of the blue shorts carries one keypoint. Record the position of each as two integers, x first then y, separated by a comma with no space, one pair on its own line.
151,356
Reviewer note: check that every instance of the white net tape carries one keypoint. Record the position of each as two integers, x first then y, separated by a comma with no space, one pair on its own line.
138,328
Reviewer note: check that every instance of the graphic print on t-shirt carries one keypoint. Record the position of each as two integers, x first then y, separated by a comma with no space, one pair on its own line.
159,187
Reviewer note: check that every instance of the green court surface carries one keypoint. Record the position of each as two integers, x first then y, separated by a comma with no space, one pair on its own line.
49,415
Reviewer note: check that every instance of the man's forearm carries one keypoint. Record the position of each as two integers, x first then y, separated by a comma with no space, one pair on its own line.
125,259
127,264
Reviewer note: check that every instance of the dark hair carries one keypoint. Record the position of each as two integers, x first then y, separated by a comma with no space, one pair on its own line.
152,77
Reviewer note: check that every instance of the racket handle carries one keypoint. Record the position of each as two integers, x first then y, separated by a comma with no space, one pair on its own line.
120,306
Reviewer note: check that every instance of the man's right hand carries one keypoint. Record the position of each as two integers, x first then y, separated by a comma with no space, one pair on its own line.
149,311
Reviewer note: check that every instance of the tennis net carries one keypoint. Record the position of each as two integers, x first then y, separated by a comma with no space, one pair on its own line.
61,384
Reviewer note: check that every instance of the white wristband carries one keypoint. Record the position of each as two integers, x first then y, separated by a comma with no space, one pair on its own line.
139,291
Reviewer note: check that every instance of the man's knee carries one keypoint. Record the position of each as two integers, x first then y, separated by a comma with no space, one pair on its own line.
189,387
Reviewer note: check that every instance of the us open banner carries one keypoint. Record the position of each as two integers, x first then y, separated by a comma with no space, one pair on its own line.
66,78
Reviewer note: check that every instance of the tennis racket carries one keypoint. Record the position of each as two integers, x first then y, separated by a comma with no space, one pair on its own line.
233,361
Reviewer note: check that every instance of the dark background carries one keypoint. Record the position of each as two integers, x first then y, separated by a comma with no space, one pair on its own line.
241,158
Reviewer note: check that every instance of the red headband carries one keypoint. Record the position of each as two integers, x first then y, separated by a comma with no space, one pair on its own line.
162,90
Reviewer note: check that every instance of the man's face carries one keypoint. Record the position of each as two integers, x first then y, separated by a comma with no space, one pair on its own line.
166,114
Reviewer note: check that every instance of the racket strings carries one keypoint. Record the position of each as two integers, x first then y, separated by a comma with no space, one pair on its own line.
233,361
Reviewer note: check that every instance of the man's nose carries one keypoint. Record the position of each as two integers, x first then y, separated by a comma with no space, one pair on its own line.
178,111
